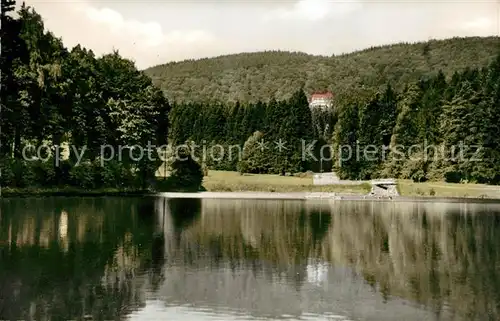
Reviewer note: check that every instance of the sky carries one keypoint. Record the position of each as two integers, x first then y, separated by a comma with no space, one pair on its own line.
153,32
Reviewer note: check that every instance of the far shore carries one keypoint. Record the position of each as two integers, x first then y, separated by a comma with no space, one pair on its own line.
240,195
222,181
70,192
314,196
222,184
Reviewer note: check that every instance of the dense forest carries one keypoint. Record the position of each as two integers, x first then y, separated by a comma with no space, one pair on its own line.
53,95
250,77
245,137
454,124
443,94
433,129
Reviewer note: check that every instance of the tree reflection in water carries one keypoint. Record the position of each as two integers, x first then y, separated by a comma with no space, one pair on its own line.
66,258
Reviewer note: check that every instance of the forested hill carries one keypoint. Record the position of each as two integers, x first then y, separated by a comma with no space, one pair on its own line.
249,77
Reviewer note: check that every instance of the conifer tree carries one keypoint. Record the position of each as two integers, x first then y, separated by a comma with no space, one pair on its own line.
405,133
57,96
345,141
253,158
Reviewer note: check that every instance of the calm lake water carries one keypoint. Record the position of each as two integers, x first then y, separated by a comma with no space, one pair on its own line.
192,259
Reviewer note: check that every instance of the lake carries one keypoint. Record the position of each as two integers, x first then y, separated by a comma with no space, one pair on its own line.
207,259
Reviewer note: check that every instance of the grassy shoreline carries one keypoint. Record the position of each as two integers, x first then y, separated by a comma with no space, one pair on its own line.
448,190
7,192
221,181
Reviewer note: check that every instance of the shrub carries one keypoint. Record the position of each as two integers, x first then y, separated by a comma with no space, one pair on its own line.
7,177
243,167
43,172
452,177
115,174
83,175
186,173
16,173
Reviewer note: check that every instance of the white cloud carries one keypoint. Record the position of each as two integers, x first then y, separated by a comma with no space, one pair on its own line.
103,29
314,10
147,34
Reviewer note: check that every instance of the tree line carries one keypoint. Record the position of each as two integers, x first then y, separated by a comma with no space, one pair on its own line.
434,129
53,95
249,135
454,123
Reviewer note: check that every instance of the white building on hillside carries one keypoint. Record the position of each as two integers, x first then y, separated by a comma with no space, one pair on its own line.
321,100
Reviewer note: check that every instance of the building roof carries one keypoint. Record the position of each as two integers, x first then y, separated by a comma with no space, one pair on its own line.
320,95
